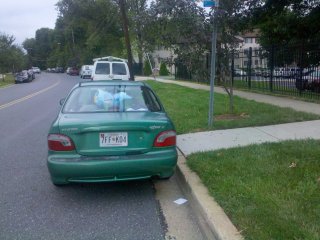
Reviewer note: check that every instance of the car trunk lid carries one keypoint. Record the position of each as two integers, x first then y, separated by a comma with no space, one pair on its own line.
113,133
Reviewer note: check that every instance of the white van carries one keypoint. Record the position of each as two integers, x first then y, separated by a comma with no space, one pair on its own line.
110,68
86,71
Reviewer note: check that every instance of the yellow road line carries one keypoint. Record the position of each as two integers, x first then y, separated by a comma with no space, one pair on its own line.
28,96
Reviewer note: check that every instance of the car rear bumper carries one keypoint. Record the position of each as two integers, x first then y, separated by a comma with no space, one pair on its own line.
21,80
76,168
86,75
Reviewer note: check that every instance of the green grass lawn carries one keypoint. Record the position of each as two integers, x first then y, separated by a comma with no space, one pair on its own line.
269,191
9,79
188,109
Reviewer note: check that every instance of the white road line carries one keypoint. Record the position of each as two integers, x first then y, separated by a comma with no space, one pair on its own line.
27,97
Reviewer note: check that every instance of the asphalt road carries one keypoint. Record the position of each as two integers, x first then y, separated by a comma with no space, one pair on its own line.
32,208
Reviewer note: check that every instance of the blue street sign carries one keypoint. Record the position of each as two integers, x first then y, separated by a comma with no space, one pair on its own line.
209,3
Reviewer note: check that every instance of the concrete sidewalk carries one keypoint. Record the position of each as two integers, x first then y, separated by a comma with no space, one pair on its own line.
213,140
274,100
219,223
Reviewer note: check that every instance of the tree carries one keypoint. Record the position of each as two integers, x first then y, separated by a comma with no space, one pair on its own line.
87,29
122,4
287,22
184,27
229,18
139,19
40,48
12,57
288,26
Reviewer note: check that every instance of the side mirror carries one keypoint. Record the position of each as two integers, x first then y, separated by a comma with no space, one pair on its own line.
62,101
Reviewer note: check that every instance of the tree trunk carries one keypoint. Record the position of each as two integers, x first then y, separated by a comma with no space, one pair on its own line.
122,4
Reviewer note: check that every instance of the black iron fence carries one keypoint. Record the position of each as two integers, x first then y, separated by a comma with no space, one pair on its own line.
285,70
290,70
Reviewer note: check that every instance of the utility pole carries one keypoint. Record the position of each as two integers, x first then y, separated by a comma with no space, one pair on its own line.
122,4
213,71
212,4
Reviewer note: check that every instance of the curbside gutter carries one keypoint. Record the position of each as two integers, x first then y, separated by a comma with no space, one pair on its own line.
209,212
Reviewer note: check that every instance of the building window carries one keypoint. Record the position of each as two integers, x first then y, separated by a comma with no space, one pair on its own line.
256,62
249,40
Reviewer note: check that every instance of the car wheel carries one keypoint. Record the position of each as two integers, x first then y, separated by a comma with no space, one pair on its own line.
56,184
165,178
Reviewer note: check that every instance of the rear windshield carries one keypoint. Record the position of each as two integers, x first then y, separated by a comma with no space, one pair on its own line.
112,99
119,69
103,68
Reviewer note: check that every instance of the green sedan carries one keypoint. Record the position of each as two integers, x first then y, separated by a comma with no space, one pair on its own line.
111,131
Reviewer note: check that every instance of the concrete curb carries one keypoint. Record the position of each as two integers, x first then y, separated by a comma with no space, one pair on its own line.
218,222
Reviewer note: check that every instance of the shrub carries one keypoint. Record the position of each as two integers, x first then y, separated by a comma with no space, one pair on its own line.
146,68
163,70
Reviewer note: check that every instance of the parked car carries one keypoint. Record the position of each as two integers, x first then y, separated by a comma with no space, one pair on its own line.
277,72
86,71
286,72
239,72
51,70
23,76
110,68
31,73
111,131
309,81
59,70
68,70
74,71
36,70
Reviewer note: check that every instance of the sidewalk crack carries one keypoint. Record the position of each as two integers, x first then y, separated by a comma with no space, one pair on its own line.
267,133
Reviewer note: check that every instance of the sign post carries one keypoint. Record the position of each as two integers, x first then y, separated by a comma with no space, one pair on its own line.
212,4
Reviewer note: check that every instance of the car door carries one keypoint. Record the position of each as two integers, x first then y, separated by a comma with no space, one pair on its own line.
120,71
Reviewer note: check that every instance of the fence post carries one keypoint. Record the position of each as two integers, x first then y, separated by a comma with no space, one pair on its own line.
232,66
249,67
299,82
175,71
271,67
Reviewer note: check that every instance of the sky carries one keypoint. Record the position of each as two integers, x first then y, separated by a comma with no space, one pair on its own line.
21,18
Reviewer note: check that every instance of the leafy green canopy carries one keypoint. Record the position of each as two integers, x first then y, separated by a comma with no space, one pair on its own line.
289,21
90,28
12,58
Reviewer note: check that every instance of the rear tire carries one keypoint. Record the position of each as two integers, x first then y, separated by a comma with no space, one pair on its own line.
59,184
165,178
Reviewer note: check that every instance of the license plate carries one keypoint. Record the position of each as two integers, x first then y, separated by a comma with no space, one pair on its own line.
115,139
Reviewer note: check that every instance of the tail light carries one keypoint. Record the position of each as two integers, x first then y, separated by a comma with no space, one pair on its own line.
165,139
58,142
